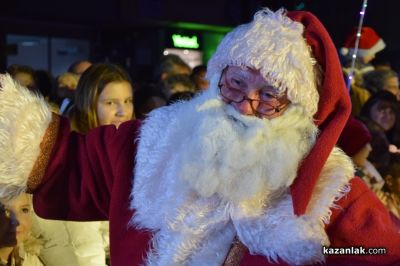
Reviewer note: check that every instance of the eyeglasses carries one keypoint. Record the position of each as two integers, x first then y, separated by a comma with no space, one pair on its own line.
267,106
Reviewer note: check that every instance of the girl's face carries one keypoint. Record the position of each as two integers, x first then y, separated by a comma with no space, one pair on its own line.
21,209
8,225
383,114
115,103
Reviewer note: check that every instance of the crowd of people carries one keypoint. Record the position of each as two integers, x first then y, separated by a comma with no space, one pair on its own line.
248,160
372,134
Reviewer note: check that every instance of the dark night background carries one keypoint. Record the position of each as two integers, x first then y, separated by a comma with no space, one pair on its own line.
117,29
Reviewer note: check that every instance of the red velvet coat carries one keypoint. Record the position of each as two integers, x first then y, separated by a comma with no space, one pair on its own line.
90,178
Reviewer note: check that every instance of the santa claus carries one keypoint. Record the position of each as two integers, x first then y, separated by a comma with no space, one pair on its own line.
246,173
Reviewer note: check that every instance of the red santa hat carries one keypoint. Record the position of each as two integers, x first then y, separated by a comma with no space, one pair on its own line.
369,44
334,108
273,44
354,137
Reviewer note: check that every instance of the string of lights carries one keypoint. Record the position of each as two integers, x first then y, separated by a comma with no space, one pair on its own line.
354,55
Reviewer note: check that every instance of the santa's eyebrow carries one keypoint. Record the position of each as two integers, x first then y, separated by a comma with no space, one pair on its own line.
239,74
269,86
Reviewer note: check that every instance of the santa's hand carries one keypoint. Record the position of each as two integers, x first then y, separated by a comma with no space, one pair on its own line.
24,118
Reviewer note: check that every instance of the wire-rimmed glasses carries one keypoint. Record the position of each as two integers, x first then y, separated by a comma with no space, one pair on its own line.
270,107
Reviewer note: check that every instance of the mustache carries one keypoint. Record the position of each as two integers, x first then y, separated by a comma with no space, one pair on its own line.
236,121
240,121
232,115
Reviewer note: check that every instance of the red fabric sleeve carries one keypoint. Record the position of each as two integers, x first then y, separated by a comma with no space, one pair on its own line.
364,221
89,177
81,174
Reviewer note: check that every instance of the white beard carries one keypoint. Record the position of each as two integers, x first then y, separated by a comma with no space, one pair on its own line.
243,159
205,173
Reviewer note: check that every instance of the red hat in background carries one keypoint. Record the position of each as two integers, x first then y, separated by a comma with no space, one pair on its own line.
354,137
369,44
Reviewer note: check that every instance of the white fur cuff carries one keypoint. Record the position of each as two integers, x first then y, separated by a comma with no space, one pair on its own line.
24,118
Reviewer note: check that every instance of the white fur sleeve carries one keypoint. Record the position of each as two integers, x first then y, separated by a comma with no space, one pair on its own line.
24,118
151,157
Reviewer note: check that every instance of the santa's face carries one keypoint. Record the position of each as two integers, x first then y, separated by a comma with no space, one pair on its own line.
250,93
243,150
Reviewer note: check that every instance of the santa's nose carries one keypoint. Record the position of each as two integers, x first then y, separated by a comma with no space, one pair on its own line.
245,107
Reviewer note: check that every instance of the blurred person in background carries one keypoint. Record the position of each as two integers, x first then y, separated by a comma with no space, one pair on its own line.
177,83
382,79
67,83
169,65
46,85
147,98
66,87
383,109
381,61
390,193
355,141
380,154
24,74
68,80
198,76
78,67
369,44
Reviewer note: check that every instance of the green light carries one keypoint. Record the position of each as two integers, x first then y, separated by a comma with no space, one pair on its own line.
300,6
185,41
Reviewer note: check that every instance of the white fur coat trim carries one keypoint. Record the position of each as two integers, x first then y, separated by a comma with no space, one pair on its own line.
24,118
193,230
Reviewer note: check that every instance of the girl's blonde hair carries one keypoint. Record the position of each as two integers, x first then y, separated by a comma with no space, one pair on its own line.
83,114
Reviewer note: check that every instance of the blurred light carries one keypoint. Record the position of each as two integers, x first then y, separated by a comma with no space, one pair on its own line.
29,43
181,41
300,6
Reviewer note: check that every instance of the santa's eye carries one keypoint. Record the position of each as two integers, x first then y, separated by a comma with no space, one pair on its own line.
236,82
267,95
